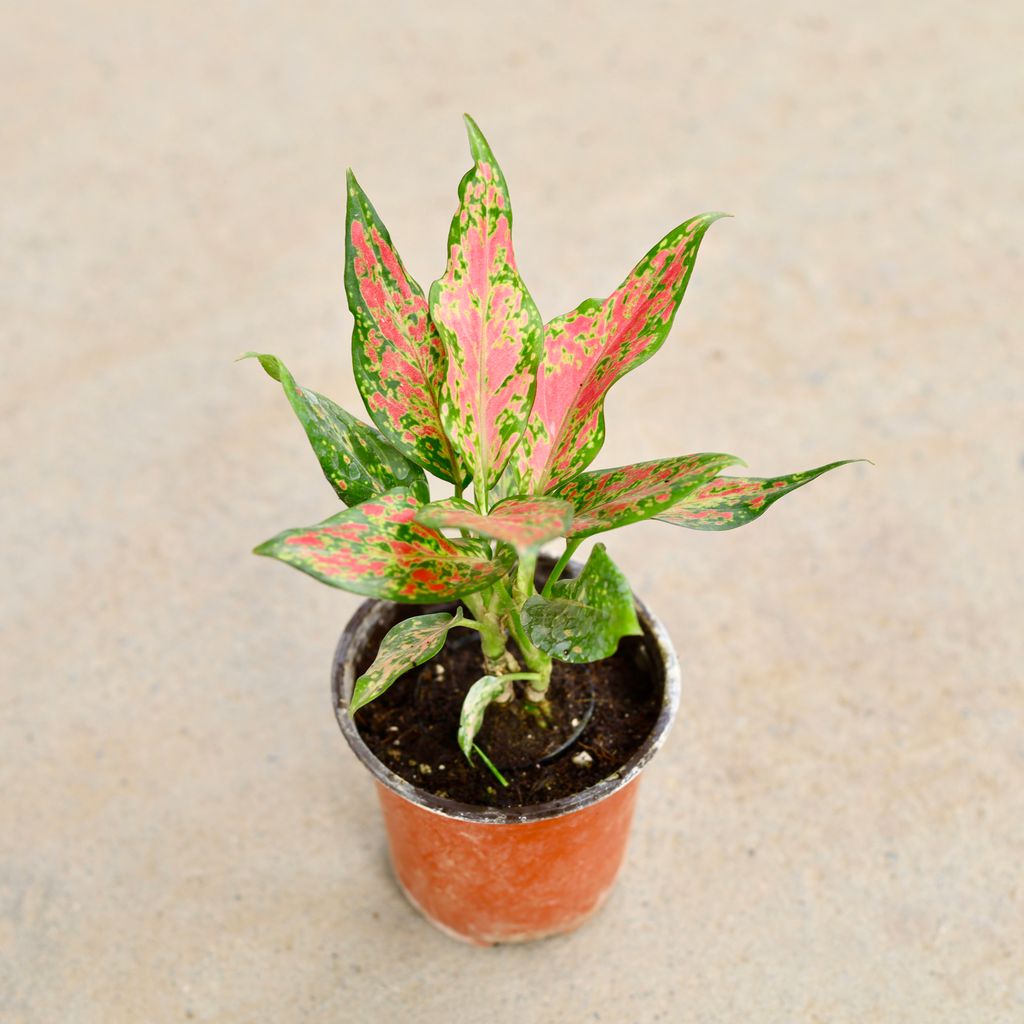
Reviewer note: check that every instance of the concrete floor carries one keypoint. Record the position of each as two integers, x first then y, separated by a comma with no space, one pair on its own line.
835,831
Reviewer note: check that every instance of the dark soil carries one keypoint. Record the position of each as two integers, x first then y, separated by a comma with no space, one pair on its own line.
413,727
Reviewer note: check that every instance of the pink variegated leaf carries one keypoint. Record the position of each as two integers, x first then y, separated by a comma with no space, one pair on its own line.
609,498
489,324
523,522
397,355
410,643
727,502
589,349
378,549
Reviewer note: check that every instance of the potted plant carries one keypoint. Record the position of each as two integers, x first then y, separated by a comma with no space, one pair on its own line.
504,708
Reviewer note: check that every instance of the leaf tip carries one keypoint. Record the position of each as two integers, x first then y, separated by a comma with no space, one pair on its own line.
478,145
355,701
352,183
270,363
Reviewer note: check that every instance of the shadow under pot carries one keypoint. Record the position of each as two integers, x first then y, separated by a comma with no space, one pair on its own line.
506,874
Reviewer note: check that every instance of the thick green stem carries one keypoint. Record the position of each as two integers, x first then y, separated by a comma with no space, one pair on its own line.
525,587
534,657
498,660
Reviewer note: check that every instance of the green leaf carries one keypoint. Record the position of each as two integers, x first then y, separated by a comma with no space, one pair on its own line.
727,502
490,326
355,458
398,358
523,522
588,350
476,702
609,498
585,617
378,549
410,643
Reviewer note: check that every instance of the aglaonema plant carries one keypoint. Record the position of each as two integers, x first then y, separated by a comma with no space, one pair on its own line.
467,383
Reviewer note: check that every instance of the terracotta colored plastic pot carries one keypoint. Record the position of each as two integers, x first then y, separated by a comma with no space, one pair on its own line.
489,875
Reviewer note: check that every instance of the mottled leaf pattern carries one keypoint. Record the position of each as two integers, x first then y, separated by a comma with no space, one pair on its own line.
585,617
378,549
480,695
397,355
730,501
523,522
589,349
470,383
490,325
608,498
410,643
357,461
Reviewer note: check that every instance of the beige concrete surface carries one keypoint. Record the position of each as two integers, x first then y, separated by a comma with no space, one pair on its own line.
835,831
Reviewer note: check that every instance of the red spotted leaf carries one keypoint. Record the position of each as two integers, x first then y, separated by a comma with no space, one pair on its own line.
608,498
730,501
397,355
489,324
588,350
523,522
410,643
378,549
357,461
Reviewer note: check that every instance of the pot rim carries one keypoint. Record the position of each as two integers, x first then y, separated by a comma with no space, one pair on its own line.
659,648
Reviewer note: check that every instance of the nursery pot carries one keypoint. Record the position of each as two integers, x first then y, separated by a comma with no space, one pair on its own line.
489,875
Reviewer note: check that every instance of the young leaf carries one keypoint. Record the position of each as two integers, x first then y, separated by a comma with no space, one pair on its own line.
523,522
589,349
476,701
585,617
378,549
410,643
488,322
356,460
730,501
397,355
608,498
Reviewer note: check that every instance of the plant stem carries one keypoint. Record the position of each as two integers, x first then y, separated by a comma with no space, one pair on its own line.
487,761
534,657
556,572
474,602
525,587
498,659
